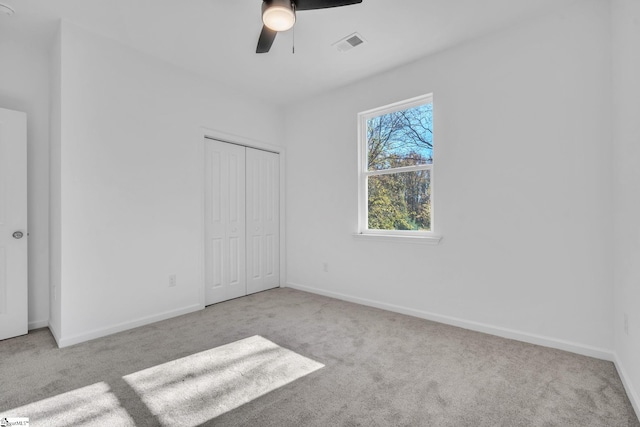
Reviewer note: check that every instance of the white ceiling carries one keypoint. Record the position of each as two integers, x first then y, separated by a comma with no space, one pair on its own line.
217,38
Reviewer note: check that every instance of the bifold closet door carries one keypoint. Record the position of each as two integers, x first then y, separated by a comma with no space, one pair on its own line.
263,220
225,233
242,221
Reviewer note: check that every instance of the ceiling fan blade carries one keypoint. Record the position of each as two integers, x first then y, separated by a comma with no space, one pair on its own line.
267,36
322,4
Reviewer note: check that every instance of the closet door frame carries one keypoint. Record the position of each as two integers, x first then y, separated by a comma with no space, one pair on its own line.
207,134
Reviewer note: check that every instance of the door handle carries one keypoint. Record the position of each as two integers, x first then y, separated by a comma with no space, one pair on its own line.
18,234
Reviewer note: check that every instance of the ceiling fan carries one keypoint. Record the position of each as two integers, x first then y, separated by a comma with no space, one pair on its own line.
280,15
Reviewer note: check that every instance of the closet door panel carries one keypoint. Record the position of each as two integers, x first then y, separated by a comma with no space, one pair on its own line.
225,233
263,220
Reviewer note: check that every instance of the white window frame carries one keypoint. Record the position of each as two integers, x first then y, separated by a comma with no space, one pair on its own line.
413,236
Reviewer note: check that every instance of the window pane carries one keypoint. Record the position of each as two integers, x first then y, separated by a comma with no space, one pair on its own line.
400,201
401,138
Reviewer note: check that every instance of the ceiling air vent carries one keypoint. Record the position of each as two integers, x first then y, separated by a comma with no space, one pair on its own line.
349,42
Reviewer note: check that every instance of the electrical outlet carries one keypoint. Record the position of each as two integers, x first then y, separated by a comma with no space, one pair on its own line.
172,280
626,323
325,267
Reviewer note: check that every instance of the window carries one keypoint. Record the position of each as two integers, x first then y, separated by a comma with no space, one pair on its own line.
396,169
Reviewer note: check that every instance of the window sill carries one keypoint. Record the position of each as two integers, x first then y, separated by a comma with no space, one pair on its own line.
422,240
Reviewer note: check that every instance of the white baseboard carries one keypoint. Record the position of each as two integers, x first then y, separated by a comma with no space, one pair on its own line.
572,347
634,398
102,332
38,324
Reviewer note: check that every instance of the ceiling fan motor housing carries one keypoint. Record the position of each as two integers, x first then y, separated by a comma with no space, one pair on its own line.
280,15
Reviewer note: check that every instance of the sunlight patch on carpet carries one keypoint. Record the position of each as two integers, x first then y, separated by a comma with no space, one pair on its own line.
200,387
93,405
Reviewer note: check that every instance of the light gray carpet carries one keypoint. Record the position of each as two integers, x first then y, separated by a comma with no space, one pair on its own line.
360,366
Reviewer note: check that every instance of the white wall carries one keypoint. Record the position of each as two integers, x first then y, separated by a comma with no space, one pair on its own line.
24,86
131,182
55,199
626,132
522,187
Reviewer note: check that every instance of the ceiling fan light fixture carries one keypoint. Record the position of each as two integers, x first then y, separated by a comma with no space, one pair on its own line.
278,15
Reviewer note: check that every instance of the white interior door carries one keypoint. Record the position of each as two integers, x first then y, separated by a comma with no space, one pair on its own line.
263,220
225,236
13,224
